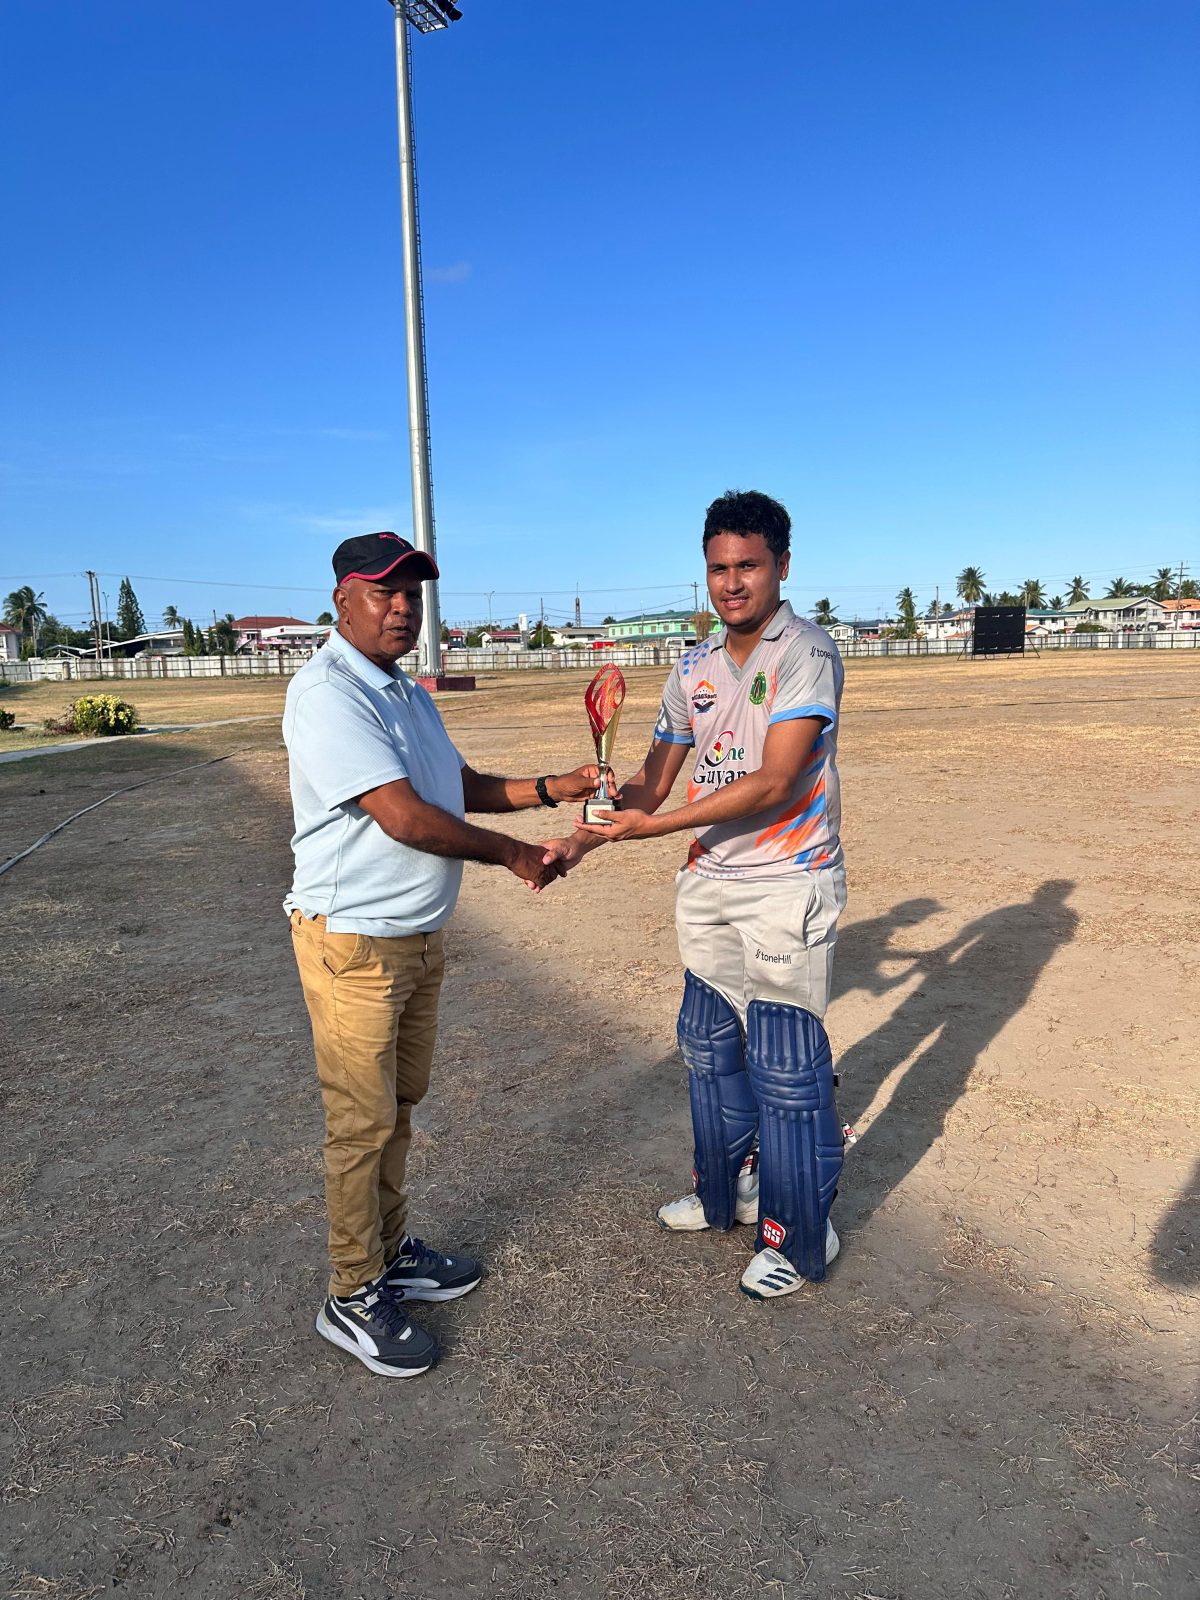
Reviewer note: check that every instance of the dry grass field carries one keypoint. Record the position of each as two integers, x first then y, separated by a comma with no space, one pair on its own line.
993,1397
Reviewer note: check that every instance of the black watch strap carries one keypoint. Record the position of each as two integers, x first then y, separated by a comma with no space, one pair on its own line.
544,794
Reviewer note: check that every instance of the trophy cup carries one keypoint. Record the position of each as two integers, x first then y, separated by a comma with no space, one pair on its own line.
603,699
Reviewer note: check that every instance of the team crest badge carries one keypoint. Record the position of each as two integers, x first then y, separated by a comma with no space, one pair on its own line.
758,689
704,697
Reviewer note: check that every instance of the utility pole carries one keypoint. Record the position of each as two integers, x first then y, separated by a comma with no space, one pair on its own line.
94,595
578,612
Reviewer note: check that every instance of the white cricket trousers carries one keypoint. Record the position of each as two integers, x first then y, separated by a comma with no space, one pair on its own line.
762,938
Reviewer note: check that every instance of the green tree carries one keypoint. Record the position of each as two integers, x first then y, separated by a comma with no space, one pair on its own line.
1056,604
1162,585
474,638
189,637
1033,593
1189,589
325,619
130,621
906,604
969,585
606,621
26,612
541,637
823,613
1119,589
947,609
170,617
1007,598
225,635
1077,593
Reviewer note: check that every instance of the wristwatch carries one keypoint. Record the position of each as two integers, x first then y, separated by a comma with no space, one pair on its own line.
544,794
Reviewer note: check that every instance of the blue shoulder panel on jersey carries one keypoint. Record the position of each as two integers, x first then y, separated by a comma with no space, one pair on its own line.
724,1111
800,1146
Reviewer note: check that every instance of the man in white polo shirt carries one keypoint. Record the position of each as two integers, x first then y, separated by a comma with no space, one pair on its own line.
379,795
758,900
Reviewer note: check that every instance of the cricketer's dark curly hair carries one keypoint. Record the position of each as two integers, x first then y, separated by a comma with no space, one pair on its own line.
747,511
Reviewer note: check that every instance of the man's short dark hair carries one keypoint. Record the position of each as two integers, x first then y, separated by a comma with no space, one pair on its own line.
747,511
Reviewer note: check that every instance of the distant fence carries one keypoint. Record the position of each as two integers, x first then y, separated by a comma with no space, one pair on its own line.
282,664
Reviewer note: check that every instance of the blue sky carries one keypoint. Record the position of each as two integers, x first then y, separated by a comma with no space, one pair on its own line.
927,272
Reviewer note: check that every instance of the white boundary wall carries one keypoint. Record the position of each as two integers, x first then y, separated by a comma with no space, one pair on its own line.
71,669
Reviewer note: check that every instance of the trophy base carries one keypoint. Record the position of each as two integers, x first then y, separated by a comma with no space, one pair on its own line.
596,810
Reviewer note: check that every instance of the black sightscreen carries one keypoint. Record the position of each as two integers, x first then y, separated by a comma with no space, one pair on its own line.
999,631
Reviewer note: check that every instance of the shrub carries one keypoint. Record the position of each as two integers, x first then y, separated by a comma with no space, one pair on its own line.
95,714
1090,627
7,718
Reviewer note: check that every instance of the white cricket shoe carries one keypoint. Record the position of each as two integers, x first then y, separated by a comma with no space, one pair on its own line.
687,1215
771,1274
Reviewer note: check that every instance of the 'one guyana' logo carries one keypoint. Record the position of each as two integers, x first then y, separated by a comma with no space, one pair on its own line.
723,749
758,689
704,697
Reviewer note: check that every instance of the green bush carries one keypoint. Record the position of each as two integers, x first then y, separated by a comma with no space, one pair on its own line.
1089,627
7,718
95,714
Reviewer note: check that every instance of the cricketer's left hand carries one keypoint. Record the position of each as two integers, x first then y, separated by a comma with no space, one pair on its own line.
624,825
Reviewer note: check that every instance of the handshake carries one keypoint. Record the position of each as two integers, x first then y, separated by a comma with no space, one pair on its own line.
539,865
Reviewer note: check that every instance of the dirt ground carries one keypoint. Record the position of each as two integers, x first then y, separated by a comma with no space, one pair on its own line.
993,1395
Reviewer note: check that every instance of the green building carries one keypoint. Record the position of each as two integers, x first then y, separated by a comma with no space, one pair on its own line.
654,627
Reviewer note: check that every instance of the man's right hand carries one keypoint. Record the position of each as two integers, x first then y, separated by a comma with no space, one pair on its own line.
530,863
568,852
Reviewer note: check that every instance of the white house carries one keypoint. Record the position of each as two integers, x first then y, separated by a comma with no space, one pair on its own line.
1182,613
10,643
1137,613
294,636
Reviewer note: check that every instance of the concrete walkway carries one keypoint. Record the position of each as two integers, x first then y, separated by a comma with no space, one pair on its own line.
150,729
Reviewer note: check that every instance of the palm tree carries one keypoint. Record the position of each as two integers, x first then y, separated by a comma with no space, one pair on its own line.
906,603
1056,603
823,613
970,584
1162,583
1119,589
170,617
1033,594
1077,593
1189,589
25,611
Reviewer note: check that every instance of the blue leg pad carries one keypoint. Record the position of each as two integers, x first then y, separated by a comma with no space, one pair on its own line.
724,1111
800,1156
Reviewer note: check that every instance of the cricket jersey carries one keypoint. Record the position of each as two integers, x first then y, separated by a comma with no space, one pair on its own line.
724,712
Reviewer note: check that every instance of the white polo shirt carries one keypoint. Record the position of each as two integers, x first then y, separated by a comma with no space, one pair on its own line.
350,726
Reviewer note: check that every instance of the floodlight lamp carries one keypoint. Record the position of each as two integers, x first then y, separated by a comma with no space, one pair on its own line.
427,16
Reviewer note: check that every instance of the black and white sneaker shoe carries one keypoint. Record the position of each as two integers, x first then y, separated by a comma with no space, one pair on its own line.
420,1273
374,1326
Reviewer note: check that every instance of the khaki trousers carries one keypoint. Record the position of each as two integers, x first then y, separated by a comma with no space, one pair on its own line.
373,1005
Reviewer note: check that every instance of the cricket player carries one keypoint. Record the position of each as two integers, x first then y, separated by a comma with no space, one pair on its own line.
753,711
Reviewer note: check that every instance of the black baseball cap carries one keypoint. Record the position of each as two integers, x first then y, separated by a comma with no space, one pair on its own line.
374,555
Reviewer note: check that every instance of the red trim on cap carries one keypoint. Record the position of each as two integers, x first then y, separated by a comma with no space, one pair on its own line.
372,577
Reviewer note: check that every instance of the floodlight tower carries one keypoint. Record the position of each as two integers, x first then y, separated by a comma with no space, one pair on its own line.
426,16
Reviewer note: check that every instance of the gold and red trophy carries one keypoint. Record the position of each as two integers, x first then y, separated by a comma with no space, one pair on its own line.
604,698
